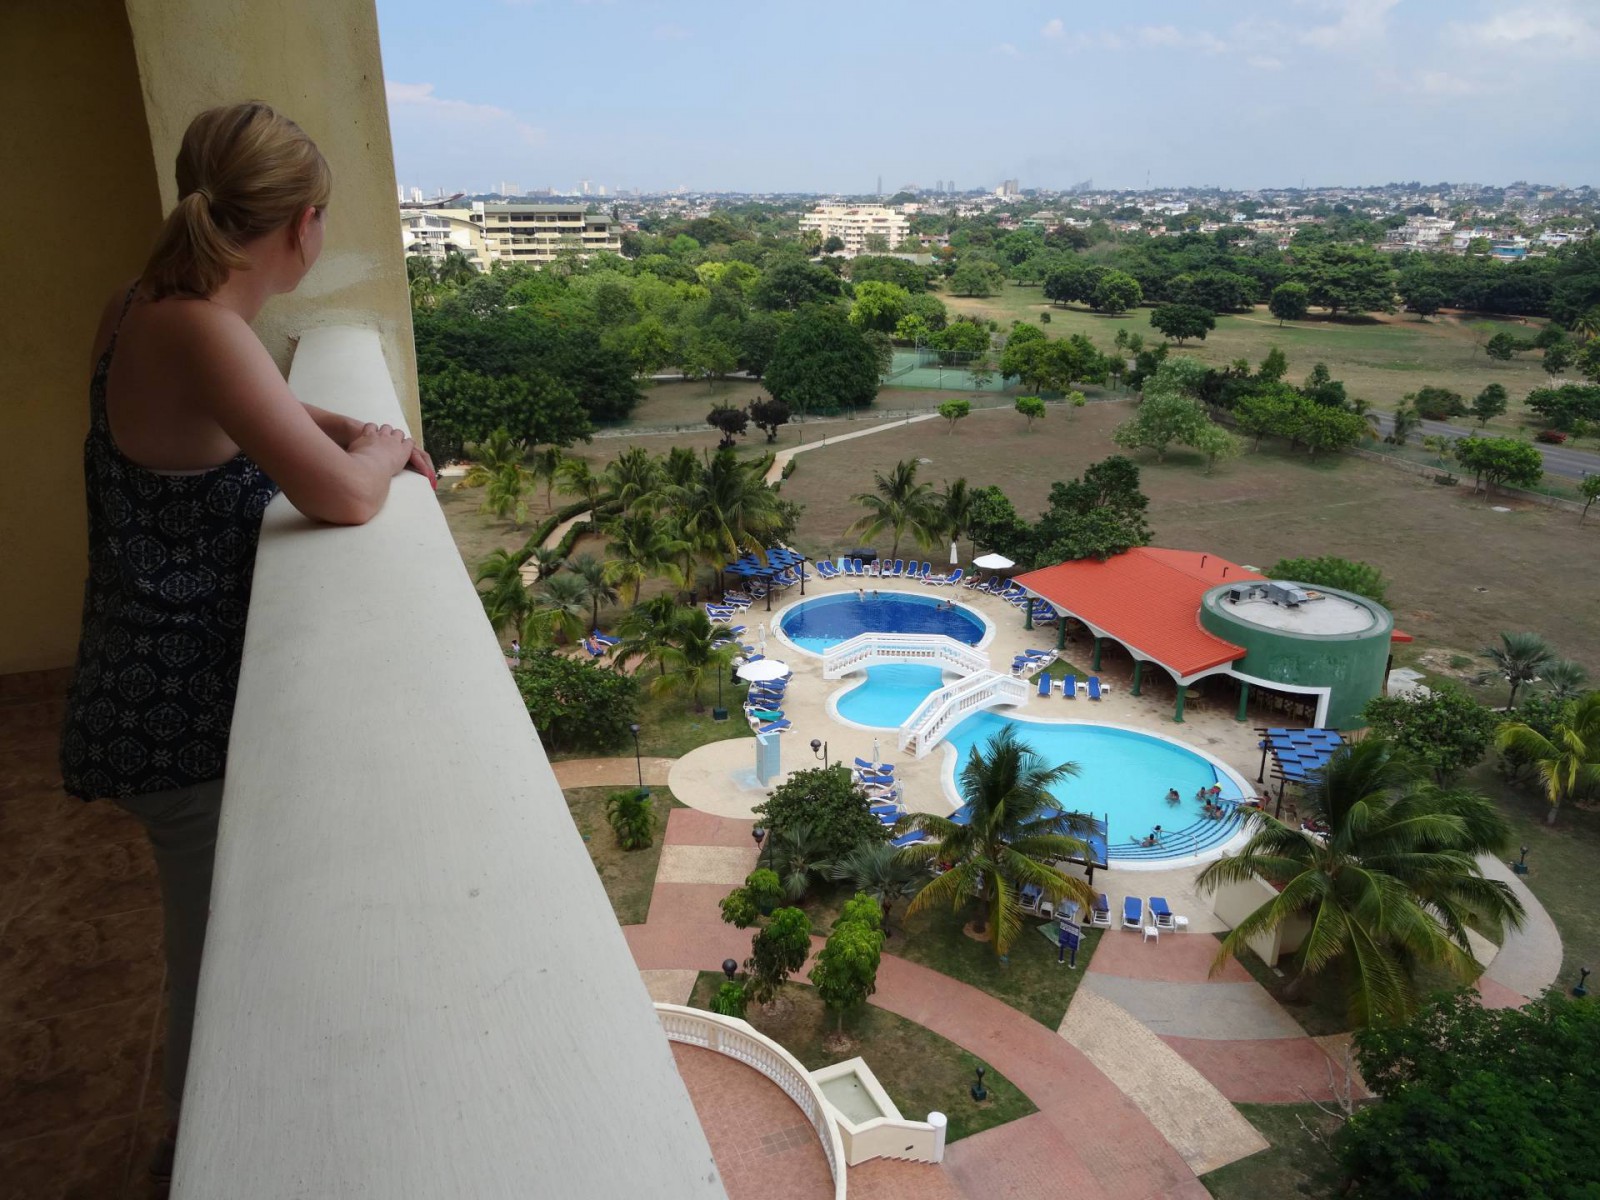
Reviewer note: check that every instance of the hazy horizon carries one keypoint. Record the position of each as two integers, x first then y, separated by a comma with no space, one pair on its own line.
1239,95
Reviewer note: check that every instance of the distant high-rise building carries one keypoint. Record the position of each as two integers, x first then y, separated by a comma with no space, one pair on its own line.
510,189
583,186
880,187
601,189
416,195
938,185
854,224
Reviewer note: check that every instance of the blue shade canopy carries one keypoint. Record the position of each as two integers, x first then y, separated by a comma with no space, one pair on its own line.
1300,753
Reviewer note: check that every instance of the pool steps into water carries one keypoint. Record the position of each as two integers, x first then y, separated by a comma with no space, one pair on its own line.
876,649
946,708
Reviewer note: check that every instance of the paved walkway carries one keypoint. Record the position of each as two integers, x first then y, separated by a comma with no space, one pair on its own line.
1529,959
781,459
529,571
611,772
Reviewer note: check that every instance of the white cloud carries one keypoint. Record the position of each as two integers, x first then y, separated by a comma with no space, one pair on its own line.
1358,23
420,96
1159,35
1007,49
1265,62
1550,30
1441,83
1172,36
1053,28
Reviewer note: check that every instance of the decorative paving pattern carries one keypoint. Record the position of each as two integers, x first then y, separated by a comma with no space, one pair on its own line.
669,986
705,864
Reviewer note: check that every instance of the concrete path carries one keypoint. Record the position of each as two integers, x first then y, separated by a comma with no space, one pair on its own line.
530,570
1226,1011
611,772
1197,1119
1529,959
781,459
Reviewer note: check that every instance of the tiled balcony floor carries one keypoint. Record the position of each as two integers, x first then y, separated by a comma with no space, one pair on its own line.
80,973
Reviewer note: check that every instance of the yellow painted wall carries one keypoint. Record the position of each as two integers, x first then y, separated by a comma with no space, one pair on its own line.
318,62
96,95
74,141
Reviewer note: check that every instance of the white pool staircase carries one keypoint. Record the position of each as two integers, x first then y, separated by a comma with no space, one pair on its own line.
946,708
876,649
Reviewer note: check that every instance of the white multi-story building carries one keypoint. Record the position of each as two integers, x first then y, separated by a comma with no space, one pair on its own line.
540,233
435,232
854,224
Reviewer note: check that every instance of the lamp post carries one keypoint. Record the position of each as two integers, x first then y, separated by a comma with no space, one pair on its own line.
760,836
977,1090
638,762
720,712
1581,988
820,749
730,967
1520,867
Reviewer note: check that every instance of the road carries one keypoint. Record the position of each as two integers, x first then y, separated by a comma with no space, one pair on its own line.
1558,460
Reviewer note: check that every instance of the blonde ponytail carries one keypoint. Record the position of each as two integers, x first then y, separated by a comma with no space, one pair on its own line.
243,170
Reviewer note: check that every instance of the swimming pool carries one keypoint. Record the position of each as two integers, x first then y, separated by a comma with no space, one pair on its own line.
816,625
1123,775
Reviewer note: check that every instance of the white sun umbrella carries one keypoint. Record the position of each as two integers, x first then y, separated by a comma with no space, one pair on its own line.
993,562
877,755
763,669
955,554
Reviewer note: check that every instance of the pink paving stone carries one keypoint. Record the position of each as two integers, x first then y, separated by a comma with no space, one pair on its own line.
1275,1071
891,1179
1498,995
691,827
687,903
1176,958
763,1144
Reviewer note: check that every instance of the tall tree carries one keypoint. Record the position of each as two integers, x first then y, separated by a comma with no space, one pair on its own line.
1517,660
846,971
1394,882
878,870
822,364
1016,833
1568,762
597,578
900,504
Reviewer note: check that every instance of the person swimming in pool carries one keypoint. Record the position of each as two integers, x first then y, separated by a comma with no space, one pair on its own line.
1172,796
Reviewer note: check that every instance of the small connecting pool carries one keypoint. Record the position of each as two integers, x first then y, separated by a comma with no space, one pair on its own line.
1123,775
820,624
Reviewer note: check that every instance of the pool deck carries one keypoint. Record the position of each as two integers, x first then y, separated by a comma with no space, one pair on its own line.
719,778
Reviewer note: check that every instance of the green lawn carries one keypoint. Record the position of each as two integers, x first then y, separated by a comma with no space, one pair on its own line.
1380,358
628,875
1030,981
1296,1164
921,1071
669,727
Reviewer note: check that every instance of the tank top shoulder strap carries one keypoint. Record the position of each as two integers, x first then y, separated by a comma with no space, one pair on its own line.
97,388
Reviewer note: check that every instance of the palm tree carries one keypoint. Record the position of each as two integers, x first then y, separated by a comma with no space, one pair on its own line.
560,608
642,545
492,455
901,504
687,656
1017,827
796,854
882,872
1394,883
546,560
727,506
955,509
633,476
1518,659
1587,324
545,462
577,478
646,631
455,269
506,601
596,578
1569,759
1565,678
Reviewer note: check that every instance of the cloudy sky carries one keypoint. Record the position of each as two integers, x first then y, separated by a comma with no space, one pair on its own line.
778,96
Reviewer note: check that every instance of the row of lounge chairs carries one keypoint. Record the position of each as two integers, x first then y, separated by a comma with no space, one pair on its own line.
599,644
1093,688
763,707
1160,916
898,569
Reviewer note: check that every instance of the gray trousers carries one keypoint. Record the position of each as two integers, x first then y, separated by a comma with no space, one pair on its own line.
182,826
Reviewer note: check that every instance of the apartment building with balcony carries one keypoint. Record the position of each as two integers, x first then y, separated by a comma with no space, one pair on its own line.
434,233
854,224
541,233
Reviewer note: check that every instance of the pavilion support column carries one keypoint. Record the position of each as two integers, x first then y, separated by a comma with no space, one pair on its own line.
1244,702
1138,675
1177,708
1095,665
1061,633
1027,620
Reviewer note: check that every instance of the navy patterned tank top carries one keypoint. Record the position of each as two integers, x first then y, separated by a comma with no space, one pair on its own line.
170,561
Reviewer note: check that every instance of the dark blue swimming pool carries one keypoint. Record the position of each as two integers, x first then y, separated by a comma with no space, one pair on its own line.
818,624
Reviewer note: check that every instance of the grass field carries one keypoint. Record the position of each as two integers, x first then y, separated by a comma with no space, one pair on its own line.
1380,358
1298,1162
921,1071
628,875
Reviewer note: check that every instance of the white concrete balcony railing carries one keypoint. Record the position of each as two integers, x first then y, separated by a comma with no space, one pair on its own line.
875,649
414,986
943,710
739,1039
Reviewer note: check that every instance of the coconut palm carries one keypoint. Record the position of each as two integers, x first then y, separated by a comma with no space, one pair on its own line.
1017,829
1568,760
642,545
1394,883
491,456
1518,659
687,656
900,504
454,270
505,601
955,509
546,560
595,576
577,478
882,872
544,462
1565,679
1587,324
560,610
727,507
632,477
646,631
796,853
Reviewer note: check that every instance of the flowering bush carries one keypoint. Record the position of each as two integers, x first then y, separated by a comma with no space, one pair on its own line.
1553,436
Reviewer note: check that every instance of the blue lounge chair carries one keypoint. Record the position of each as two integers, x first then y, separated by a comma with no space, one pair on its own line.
1094,687
909,839
604,639
774,727
848,566
1133,913
955,576
875,780
594,651
927,569
866,765
1044,683
1160,911
1069,687
860,570
1100,914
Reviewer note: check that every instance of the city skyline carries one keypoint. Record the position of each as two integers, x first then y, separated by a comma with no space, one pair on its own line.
1240,95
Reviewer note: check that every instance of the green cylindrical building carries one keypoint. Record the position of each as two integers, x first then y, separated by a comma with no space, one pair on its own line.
1307,638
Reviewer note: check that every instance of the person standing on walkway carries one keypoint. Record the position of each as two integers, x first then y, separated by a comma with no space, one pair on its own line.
192,432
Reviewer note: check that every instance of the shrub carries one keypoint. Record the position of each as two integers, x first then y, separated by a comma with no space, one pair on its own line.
1363,579
1437,403
730,1000
1044,318
632,818
575,705
1553,437
831,802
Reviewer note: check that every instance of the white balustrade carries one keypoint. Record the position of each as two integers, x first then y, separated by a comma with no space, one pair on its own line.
944,709
876,648
740,1040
